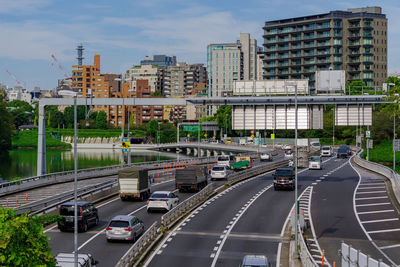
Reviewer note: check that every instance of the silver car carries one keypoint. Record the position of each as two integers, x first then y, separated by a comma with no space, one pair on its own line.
255,261
219,172
124,228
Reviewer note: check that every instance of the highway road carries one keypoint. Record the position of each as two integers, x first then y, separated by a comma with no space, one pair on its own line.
352,205
94,241
245,219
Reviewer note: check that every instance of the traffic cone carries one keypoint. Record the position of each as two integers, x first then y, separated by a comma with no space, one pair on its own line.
323,257
26,199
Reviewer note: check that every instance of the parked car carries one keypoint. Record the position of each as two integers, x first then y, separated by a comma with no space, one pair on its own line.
224,160
255,261
326,151
87,216
124,228
162,200
288,154
219,172
266,156
68,260
314,163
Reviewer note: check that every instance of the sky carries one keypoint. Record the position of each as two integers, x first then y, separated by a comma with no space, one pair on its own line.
123,32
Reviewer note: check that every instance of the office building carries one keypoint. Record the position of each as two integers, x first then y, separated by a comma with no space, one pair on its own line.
227,62
354,40
159,60
19,93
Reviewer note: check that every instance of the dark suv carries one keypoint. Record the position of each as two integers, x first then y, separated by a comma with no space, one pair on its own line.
87,216
343,151
284,178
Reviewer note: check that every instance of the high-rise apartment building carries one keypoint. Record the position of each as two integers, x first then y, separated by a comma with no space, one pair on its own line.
180,80
159,60
144,72
260,65
144,114
354,40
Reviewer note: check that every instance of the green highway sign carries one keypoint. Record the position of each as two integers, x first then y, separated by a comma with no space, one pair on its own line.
191,128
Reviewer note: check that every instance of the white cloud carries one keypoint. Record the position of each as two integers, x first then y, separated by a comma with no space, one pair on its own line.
24,6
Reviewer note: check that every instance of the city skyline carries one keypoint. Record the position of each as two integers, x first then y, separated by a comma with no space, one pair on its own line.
126,33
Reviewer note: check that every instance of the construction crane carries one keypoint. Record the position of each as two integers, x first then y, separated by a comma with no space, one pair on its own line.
59,66
15,78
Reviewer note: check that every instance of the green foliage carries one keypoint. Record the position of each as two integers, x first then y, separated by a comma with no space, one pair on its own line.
382,153
29,139
21,112
101,120
152,128
6,127
157,94
168,132
224,118
22,241
3,95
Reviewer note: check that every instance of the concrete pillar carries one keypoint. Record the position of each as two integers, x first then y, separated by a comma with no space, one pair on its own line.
208,152
41,157
215,152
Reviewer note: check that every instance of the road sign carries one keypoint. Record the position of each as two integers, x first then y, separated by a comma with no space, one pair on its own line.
191,128
205,135
370,143
272,136
252,131
126,145
358,139
396,144
252,136
260,140
214,137
368,134
257,134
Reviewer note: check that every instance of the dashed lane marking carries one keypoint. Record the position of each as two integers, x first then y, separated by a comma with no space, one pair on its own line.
382,220
375,211
373,204
384,231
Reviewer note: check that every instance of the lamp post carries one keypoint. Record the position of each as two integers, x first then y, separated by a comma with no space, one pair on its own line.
74,95
122,80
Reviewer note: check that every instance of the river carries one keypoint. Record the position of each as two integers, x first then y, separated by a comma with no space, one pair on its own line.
22,162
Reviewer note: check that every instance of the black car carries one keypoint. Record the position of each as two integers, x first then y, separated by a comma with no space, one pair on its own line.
344,151
284,177
87,216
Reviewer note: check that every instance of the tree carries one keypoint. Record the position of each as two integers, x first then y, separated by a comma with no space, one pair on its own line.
6,127
22,241
21,112
101,120
3,95
168,132
224,118
156,94
152,128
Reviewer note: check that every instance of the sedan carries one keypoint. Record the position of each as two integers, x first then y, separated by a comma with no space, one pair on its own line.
124,228
162,200
219,172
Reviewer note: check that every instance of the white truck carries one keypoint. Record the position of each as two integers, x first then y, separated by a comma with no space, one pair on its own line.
134,183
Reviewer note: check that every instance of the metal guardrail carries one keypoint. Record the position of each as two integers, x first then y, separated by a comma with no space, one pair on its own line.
134,252
46,204
383,170
306,258
185,206
60,177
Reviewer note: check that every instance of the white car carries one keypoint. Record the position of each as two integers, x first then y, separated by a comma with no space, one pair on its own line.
326,151
314,163
288,154
162,200
224,160
287,147
219,172
266,156
316,145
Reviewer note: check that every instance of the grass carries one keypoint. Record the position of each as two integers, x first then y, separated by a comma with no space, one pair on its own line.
383,154
29,139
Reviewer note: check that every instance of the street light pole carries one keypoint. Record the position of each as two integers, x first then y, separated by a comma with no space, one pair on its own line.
394,138
74,95
295,174
75,186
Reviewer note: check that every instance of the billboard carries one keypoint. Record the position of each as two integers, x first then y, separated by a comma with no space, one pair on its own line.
353,115
270,87
330,81
279,117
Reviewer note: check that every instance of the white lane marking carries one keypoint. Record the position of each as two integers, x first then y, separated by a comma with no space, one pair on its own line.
159,252
375,211
231,227
278,255
373,204
392,246
318,181
212,255
314,183
370,187
102,231
215,248
218,242
358,217
108,202
325,175
383,220
368,198
164,246
371,192
384,231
